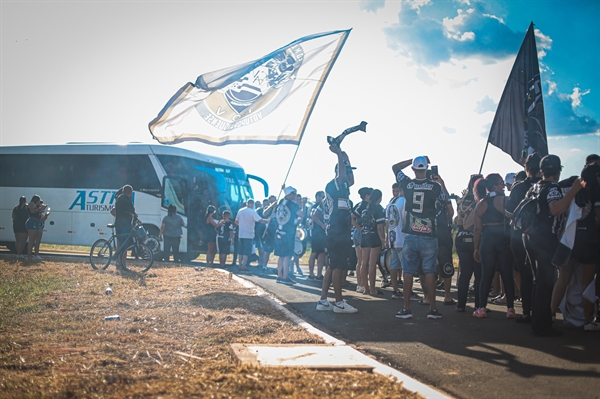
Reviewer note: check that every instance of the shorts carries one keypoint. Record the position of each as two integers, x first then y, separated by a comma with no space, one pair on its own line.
371,240
21,228
34,224
224,246
444,257
396,259
284,245
419,251
245,248
341,253
356,237
318,243
585,249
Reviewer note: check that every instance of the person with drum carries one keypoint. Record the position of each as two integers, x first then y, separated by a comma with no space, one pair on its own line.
372,238
286,215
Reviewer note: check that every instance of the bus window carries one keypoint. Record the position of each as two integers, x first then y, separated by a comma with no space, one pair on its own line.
174,194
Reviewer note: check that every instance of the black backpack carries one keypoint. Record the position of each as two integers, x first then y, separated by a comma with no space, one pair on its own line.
525,219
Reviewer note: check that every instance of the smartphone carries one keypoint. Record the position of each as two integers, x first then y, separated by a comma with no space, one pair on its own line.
434,170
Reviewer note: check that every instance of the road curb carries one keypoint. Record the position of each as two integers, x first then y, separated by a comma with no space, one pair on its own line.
408,382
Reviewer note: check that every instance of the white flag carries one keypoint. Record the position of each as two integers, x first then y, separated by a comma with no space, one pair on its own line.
266,101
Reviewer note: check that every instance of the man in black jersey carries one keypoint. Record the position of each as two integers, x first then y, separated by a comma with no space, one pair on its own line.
423,198
339,241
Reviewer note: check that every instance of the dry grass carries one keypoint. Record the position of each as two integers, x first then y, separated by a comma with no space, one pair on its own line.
55,343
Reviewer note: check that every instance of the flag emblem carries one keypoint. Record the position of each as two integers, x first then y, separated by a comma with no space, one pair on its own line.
266,101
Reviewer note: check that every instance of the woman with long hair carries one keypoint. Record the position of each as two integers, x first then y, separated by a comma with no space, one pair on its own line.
210,234
465,247
372,238
19,216
491,242
365,194
35,211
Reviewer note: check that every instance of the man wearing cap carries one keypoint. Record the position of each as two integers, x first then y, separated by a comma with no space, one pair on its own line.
286,214
423,198
246,219
339,242
543,243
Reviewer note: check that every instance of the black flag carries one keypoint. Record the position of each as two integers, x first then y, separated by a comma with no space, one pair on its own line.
519,126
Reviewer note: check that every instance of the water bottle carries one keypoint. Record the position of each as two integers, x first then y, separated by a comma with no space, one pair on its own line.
114,317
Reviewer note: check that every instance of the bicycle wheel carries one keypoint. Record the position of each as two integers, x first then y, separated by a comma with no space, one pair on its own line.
137,258
100,254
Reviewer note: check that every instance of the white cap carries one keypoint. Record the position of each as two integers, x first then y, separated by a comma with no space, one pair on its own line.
288,190
420,163
510,178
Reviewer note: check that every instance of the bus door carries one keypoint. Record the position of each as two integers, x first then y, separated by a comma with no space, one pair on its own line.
175,193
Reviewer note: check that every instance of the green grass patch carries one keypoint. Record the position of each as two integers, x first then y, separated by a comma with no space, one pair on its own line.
22,293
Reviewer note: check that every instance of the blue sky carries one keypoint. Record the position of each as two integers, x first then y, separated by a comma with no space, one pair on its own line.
426,75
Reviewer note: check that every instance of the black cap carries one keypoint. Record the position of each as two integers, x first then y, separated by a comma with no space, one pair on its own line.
550,165
365,191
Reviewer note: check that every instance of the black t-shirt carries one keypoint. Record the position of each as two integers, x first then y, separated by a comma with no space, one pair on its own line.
21,216
337,207
370,219
224,230
315,228
546,192
423,198
518,192
286,215
124,211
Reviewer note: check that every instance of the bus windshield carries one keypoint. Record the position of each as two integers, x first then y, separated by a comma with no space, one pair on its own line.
192,185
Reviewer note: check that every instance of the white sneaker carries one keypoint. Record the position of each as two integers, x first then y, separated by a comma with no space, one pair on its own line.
360,289
345,308
590,326
321,307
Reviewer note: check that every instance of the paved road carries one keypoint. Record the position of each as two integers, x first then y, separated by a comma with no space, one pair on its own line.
458,354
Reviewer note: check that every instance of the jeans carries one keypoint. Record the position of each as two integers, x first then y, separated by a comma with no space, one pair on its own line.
541,251
468,267
520,254
492,248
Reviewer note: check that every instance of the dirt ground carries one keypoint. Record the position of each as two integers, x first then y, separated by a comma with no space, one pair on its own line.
172,340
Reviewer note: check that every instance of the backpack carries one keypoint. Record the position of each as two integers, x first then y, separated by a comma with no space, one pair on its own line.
525,216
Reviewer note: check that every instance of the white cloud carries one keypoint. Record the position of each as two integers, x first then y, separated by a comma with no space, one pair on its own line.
575,97
416,4
449,130
552,87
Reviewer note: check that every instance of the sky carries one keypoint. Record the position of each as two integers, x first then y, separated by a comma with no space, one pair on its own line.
426,75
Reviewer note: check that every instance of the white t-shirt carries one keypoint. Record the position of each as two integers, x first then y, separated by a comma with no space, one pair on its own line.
395,214
247,218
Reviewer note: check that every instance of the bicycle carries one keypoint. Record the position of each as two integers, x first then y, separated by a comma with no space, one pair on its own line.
135,257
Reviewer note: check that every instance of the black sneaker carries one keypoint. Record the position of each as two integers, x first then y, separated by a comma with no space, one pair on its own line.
320,278
279,280
404,314
287,281
415,297
397,295
311,277
440,286
434,314
351,273
385,283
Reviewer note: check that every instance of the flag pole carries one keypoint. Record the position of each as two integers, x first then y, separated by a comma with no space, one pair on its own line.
484,153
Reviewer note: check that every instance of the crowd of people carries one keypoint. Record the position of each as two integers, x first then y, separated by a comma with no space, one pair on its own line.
548,260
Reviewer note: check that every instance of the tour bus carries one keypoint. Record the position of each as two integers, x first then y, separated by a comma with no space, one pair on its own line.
79,181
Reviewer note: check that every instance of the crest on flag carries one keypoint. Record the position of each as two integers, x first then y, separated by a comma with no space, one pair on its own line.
267,101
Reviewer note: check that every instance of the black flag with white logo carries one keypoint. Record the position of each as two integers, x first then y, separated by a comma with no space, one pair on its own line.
519,126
